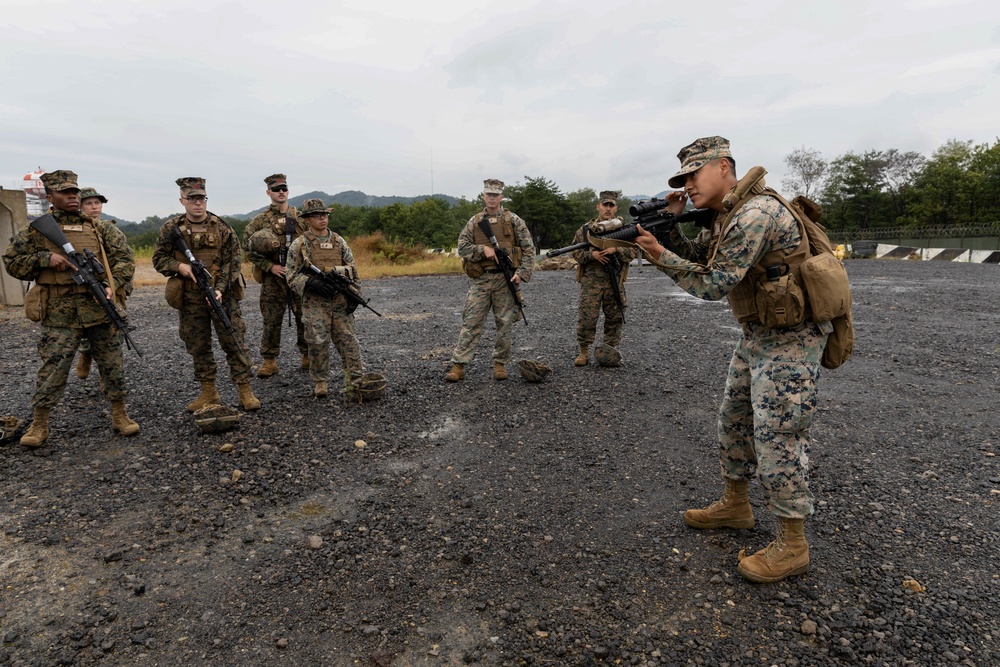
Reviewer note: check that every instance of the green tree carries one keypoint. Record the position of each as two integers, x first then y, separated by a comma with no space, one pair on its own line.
943,190
806,169
551,219
854,190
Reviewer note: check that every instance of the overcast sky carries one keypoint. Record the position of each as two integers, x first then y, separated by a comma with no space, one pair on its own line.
397,98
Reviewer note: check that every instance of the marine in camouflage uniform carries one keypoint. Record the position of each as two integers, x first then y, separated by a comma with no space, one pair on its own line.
770,394
327,319
262,241
72,314
596,292
213,242
489,287
91,203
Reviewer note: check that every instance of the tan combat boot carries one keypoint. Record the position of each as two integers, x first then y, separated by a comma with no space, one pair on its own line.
120,419
320,390
304,364
732,510
83,365
499,372
39,431
786,556
247,399
456,373
583,358
209,395
269,368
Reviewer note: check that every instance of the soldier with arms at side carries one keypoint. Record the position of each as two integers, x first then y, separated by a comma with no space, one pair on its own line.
71,314
266,238
327,318
770,394
596,291
488,290
213,242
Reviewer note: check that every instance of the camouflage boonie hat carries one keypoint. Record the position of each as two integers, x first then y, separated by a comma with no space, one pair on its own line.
312,206
492,186
59,180
696,155
276,179
534,371
192,185
610,195
90,193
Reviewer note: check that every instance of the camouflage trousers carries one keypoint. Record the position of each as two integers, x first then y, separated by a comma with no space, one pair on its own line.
196,320
489,291
767,410
57,346
326,321
273,308
596,295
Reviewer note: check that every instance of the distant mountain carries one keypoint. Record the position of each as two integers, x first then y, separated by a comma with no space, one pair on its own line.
351,198
638,198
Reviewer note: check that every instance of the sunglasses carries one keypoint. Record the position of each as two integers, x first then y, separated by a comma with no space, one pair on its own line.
280,188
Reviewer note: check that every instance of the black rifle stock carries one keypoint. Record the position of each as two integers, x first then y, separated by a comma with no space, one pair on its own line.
653,218
613,268
87,270
341,284
506,266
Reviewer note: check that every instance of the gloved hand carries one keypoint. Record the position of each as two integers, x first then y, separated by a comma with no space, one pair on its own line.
316,285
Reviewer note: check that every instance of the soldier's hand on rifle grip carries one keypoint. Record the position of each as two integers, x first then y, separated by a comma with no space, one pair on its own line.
602,255
278,270
60,263
648,242
185,270
489,253
516,279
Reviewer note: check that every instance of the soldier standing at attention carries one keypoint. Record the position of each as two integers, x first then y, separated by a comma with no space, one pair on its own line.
770,394
488,289
71,314
213,242
266,239
92,204
326,318
596,291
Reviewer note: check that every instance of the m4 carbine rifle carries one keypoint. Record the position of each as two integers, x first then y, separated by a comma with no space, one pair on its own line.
290,223
332,283
506,266
204,281
654,219
87,269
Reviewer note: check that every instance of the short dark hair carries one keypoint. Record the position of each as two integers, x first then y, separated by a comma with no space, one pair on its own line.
732,163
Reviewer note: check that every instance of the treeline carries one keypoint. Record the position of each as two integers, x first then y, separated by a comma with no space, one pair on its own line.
958,185
551,216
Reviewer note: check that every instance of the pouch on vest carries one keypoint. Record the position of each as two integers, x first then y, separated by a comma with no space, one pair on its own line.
472,269
258,274
174,292
238,282
36,302
779,299
840,343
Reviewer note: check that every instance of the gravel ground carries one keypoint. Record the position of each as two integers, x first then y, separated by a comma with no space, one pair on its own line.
505,523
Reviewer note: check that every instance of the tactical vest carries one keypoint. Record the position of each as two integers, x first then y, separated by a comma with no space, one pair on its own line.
205,241
325,254
771,291
503,228
83,235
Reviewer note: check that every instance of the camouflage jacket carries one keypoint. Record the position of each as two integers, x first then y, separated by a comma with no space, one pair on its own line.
230,256
298,259
585,259
28,254
265,220
763,224
469,251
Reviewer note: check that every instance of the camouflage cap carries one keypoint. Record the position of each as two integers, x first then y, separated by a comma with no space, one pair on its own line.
192,185
90,193
276,179
610,195
492,186
696,155
59,180
313,206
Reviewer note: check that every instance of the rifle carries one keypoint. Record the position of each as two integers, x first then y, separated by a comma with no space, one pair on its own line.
506,266
334,284
204,281
653,218
88,268
613,268
290,223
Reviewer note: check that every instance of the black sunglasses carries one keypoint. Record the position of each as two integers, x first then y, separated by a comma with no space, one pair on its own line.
280,188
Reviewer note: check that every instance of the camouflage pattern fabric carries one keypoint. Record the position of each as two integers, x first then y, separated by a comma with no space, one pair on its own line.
596,294
696,155
196,316
770,393
489,291
325,320
71,318
272,290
